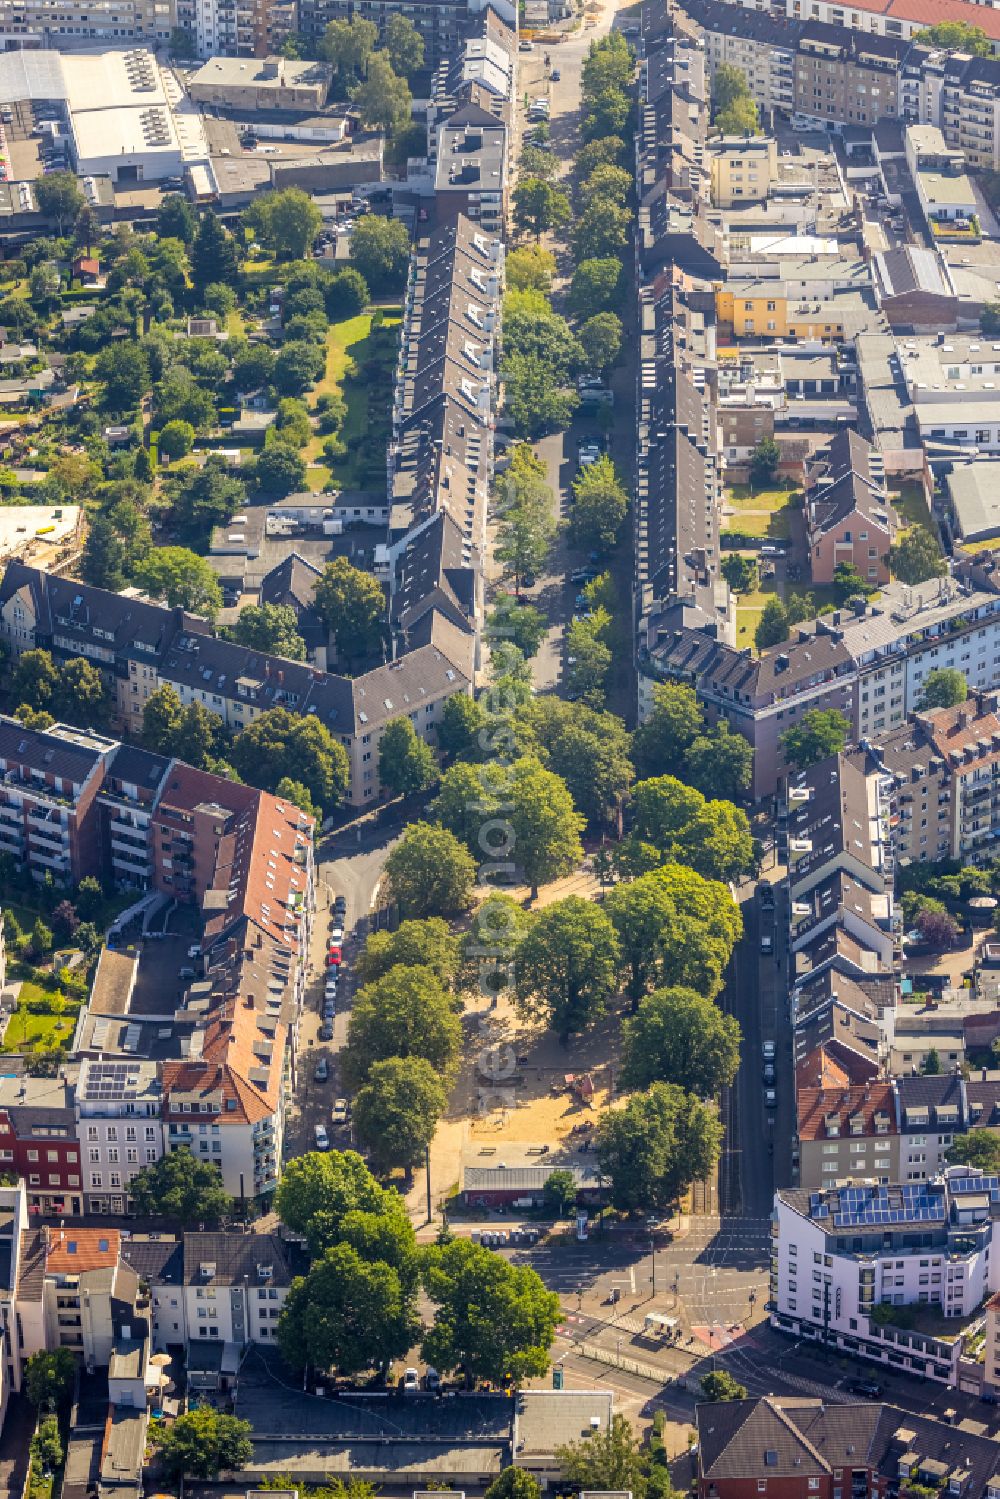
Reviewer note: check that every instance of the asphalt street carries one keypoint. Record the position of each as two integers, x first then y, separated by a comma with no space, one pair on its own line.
558,451
348,864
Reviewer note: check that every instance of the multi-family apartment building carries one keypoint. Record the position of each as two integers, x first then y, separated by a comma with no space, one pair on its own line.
440,461
848,66
118,1127
38,1142
903,19
37,23
140,646
469,156
944,765
49,809
807,66
225,1101
218,1287
849,519
230,28
442,23
814,297
839,1253
237,28
896,1129
796,1447
743,169
678,462
846,1135
868,660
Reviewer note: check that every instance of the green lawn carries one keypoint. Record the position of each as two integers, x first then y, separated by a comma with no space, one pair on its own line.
761,512
771,523
750,606
910,505
28,1032
347,346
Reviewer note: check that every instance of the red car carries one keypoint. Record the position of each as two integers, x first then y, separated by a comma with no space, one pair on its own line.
334,957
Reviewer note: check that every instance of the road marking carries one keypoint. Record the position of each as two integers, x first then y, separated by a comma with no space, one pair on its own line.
631,1278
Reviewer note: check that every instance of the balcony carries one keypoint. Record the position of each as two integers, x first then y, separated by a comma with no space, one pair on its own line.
48,824
58,863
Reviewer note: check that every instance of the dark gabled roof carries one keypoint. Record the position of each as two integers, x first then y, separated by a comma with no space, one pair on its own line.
293,579
791,1436
983,1095
743,1438
236,1256
140,767
47,752
156,1261
471,114
943,1090
79,613
934,1441
436,567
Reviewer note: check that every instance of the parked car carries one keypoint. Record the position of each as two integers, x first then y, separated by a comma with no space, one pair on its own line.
768,1051
766,943
770,1098
411,1382
869,1387
322,1070
765,894
432,1380
769,1074
335,953
322,1138
333,958
337,933
556,75
326,1031
339,1111
329,1009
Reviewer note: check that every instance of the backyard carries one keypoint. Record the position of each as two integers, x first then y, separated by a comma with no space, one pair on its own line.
750,606
360,361
32,1030
910,505
758,512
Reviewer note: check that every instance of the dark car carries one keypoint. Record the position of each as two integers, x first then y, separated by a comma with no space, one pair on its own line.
869,1387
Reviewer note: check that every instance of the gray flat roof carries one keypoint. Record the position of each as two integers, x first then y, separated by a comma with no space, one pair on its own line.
975,493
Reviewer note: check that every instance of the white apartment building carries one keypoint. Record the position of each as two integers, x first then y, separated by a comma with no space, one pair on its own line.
226,1102
119,1128
839,1254
224,1287
909,632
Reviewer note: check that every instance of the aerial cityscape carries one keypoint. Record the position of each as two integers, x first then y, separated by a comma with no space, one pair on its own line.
500,749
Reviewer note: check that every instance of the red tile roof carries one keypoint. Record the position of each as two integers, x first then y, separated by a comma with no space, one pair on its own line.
932,12
815,1105
73,1250
237,1041
820,1069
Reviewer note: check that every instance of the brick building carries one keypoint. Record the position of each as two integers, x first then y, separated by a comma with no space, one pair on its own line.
38,1141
